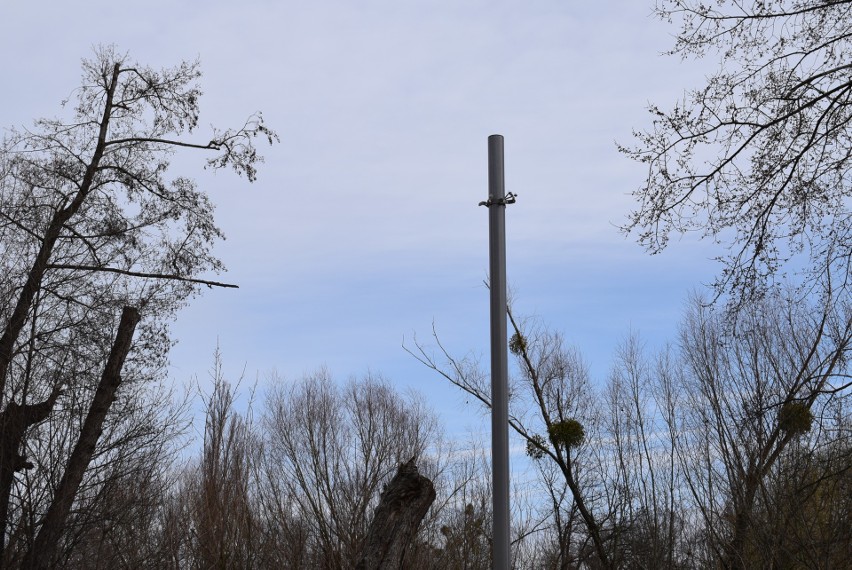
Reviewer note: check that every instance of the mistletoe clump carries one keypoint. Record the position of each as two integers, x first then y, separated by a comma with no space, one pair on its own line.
569,433
535,446
795,418
517,344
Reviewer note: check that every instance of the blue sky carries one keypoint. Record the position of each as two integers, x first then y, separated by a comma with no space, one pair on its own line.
363,226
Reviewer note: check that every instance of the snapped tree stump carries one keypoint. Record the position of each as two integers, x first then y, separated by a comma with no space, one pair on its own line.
402,506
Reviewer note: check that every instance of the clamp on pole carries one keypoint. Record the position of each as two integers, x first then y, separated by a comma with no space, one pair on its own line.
509,199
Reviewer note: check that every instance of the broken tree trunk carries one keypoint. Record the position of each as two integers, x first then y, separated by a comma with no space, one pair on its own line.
402,506
44,548
15,420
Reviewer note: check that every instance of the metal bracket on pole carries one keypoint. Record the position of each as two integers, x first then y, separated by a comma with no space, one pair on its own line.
509,199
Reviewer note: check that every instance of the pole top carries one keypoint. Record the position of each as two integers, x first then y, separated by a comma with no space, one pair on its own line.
497,195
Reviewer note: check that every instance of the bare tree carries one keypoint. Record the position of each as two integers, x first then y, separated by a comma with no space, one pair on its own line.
721,450
553,409
327,453
220,490
637,460
757,158
90,223
458,536
46,544
119,505
750,399
804,515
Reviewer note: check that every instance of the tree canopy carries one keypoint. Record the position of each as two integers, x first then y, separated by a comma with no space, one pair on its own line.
758,158
93,225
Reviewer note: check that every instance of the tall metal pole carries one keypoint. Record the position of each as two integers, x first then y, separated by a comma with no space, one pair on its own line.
499,351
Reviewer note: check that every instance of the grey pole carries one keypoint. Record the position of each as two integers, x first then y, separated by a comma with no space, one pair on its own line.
496,203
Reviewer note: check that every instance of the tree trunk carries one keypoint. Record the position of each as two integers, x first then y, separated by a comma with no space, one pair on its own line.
45,546
403,505
17,319
15,420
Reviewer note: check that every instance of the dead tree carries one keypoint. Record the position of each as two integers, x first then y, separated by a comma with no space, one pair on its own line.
402,506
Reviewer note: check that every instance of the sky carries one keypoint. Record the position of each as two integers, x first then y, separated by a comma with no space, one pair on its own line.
363,227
